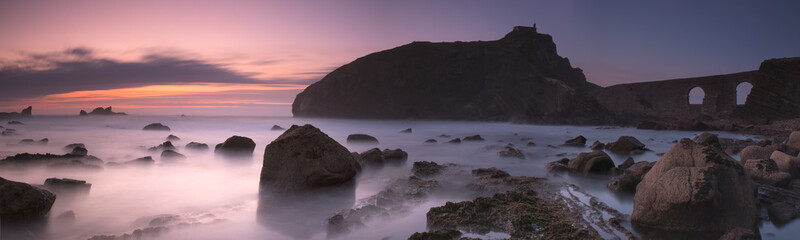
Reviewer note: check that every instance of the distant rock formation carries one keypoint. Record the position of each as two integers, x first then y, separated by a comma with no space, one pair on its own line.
27,112
101,111
517,78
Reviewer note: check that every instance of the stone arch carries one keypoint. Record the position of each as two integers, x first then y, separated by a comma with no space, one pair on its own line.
695,95
743,89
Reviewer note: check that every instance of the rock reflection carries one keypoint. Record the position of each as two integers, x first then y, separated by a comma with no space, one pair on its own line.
303,214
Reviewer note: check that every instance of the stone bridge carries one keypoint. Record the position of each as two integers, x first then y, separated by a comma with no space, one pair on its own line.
774,95
670,98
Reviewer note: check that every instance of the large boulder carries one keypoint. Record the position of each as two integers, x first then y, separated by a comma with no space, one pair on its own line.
303,157
625,144
21,201
698,189
396,156
591,162
237,147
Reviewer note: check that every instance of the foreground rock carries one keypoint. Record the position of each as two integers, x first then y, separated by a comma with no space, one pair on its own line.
21,201
236,147
361,138
591,162
786,163
101,112
372,158
156,127
303,157
696,189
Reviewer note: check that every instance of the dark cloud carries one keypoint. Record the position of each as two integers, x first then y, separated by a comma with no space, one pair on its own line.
86,73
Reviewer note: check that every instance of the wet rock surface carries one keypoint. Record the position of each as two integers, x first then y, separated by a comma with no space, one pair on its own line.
21,201
304,156
510,151
695,188
766,171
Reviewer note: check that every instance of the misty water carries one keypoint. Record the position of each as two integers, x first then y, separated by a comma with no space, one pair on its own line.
218,198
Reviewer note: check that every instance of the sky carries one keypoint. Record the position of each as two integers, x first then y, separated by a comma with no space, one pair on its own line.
253,57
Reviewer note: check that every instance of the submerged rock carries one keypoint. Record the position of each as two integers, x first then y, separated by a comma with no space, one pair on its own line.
79,151
170,155
597,145
67,186
395,157
557,166
21,201
697,189
161,147
196,146
511,152
577,141
407,130
139,162
454,141
156,127
304,156
66,160
431,141
591,162
631,177
625,144
72,146
372,158
473,138
425,169
173,138
361,138
236,147
277,128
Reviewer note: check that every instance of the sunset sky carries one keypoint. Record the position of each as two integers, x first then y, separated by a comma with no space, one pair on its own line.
253,57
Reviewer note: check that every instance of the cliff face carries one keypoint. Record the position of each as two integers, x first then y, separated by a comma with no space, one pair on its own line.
777,93
517,78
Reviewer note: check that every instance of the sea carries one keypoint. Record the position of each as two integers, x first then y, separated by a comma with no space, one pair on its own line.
208,197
